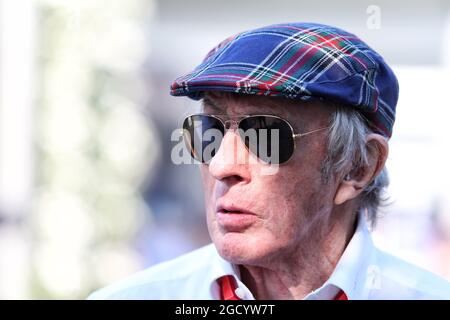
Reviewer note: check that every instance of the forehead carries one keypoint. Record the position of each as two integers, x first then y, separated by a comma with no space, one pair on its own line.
243,104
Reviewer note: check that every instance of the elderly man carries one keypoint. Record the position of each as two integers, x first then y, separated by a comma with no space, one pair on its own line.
290,222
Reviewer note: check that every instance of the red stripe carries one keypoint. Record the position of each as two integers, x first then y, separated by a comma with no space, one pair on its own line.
341,296
227,287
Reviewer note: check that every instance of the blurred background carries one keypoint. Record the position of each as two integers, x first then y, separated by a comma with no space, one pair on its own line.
88,192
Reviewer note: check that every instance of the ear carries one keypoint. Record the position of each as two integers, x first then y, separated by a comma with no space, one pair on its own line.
354,182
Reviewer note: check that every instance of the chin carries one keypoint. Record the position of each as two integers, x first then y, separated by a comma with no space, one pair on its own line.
237,248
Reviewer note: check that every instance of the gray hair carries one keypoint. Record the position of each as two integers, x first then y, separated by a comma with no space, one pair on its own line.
348,152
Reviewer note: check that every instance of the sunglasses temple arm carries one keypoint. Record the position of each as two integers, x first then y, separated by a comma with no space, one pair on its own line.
298,135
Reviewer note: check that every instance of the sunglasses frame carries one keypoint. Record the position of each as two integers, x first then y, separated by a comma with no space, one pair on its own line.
242,117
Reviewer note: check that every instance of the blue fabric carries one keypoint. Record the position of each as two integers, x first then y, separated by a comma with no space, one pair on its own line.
299,61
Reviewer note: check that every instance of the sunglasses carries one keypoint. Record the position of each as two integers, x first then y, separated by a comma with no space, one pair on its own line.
270,138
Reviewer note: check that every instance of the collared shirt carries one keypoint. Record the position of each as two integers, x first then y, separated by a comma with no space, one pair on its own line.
363,272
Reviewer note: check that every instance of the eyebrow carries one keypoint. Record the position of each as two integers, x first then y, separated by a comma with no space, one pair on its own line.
220,109
207,101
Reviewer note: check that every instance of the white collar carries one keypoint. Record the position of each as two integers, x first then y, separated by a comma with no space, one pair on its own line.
350,275
353,268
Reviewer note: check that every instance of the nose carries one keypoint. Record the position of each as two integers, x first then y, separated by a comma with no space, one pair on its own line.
230,163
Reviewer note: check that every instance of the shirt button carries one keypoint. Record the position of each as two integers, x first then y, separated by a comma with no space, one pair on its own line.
240,293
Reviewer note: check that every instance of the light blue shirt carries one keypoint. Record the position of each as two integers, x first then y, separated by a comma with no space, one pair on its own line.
363,272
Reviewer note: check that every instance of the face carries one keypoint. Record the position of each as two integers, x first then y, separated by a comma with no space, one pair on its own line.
256,218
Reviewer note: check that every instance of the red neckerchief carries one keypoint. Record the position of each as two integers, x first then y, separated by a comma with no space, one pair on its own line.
228,286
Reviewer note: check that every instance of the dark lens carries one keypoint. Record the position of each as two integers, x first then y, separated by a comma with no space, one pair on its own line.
203,135
268,137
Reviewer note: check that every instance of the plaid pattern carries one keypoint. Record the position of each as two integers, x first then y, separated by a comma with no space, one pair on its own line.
299,61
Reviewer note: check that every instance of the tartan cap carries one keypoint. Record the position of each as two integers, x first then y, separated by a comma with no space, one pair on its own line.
299,61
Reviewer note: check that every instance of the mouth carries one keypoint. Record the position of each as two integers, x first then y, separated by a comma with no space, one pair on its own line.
232,218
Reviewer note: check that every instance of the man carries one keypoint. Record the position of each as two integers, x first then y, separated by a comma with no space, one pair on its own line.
291,223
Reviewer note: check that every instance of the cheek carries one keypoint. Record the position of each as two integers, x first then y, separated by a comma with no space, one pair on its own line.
293,199
208,183
284,209
282,227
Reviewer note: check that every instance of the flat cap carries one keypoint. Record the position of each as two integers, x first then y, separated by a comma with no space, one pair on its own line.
299,61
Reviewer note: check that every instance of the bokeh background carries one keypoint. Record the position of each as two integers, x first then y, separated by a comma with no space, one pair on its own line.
88,192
